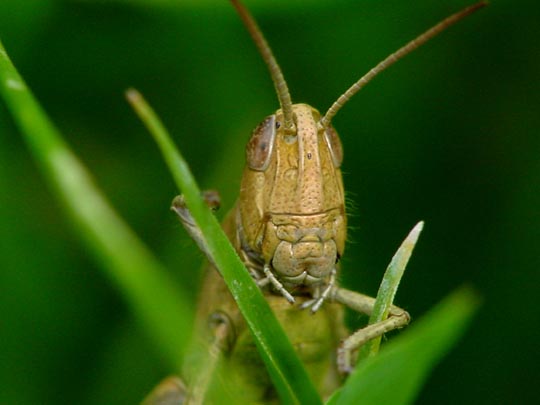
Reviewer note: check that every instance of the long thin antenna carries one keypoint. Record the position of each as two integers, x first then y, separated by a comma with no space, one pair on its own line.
268,57
393,58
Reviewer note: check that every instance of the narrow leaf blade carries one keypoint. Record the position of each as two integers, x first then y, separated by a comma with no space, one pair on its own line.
397,374
388,288
123,257
286,370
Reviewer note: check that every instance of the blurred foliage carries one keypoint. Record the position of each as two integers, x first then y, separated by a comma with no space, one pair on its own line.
449,135
397,373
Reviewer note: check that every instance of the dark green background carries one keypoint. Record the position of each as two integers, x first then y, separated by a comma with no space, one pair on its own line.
449,135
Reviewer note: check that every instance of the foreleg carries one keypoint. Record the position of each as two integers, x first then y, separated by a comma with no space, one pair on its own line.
397,318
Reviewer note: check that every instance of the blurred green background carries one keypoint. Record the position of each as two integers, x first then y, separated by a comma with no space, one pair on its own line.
449,135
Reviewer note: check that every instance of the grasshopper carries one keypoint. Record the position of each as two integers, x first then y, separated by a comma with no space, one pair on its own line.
289,227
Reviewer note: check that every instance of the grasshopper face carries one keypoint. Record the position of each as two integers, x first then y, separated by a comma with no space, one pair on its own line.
292,210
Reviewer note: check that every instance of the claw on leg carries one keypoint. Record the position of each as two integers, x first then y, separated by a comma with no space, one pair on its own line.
211,197
357,339
277,285
319,299
397,318
326,291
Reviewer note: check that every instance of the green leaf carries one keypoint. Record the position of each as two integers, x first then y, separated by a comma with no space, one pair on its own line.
124,258
397,374
388,288
287,372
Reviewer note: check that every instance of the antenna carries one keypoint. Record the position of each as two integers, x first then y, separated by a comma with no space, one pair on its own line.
268,57
394,57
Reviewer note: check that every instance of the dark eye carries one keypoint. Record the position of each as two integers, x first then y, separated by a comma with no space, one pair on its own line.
259,147
334,144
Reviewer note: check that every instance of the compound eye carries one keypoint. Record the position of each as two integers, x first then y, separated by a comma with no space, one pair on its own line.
260,146
334,144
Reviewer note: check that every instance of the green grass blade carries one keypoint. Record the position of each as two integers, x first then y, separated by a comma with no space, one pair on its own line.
125,259
288,374
397,374
388,288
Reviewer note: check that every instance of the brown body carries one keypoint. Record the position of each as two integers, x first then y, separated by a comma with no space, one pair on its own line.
289,227
292,222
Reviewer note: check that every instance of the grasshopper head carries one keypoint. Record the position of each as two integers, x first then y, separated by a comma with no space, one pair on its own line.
291,200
